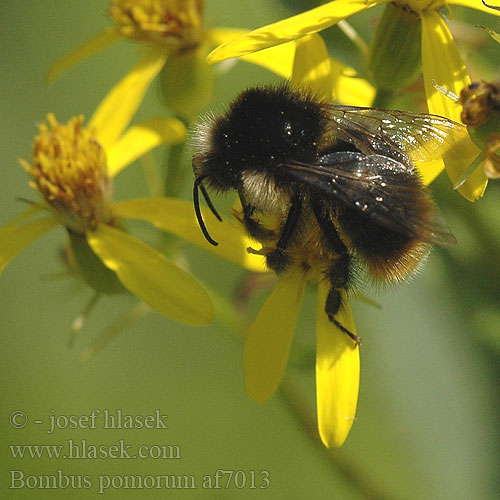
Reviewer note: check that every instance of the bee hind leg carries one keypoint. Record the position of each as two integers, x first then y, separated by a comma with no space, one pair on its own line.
339,272
338,276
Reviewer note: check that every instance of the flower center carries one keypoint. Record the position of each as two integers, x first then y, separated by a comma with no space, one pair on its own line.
173,24
69,169
420,6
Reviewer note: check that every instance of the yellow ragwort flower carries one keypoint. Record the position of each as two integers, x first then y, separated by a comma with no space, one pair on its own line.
170,30
72,168
441,61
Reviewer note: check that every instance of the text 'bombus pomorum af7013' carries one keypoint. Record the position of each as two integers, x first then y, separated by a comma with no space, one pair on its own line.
326,185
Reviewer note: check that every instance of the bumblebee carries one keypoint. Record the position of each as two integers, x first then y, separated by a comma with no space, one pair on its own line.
338,182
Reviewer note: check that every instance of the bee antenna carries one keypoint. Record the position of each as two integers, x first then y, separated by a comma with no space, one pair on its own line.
199,217
209,201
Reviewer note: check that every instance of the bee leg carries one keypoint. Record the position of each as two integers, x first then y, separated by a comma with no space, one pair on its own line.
339,273
254,228
278,260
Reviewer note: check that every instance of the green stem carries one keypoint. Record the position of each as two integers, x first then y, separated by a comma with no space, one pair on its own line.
176,167
152,175
176,170
82,317
113,330
227,316
353,35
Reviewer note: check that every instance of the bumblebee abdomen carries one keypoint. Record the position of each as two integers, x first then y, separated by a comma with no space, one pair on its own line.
390,255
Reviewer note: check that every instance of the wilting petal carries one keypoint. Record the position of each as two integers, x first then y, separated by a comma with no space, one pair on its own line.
141,138
119,106
177,217
18,234
311,66
308,22
269,339
95,44
151,277
475,4
348,87
446,68
337,374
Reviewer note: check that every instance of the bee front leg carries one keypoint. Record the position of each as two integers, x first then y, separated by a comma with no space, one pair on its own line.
279,260
254,228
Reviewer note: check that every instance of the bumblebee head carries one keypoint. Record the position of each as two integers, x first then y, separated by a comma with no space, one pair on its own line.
263,127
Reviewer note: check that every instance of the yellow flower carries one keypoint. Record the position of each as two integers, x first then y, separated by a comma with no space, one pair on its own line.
72,168
175,24
170,30
441,61
269,339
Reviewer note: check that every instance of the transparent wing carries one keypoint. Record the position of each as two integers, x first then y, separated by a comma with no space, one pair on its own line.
419,136
382,189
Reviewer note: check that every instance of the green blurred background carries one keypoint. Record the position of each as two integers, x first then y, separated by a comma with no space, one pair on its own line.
427,421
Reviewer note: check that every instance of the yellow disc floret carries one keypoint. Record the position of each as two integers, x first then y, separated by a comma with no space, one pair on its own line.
69,169
173,24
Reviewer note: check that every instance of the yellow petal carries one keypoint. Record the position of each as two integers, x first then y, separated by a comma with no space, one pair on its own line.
348,87
218,36
141,138
177,217
95,44
429,170
337,374
18,234
277,59
118,108
475,4
308,22
269,339
151,277
442,63
311,67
